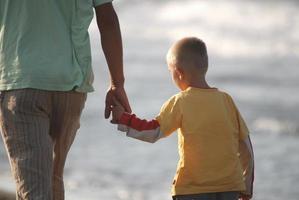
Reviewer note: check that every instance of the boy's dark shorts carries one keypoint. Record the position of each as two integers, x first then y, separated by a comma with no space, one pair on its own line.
209,196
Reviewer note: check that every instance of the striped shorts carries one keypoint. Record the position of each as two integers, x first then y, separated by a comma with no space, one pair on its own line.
38,128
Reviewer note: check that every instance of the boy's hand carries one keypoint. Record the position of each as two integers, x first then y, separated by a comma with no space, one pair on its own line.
117,111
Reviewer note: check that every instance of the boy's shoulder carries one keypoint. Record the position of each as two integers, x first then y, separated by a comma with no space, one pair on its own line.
175,98
191,91
225,93
180,96
189,94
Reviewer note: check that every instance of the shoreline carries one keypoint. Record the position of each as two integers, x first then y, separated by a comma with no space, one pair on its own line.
5,195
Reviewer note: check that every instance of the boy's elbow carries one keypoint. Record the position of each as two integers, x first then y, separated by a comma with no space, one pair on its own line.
157,137
152,141
141,137
148,140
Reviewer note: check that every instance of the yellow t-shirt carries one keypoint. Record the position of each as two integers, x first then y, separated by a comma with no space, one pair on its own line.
209,129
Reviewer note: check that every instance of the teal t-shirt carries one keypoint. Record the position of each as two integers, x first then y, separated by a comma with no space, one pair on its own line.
44,44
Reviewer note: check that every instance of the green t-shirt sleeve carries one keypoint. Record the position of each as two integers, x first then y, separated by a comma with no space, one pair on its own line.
169,117
100,2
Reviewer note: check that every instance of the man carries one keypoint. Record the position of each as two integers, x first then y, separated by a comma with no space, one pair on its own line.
45,74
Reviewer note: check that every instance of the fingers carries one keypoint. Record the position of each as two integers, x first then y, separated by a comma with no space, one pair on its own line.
117,112
125,102
107,111
108,105
127,106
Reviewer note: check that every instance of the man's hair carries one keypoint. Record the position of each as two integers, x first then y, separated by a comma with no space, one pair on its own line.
189,51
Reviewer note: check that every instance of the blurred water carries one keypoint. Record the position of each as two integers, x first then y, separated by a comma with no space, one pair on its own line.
254,55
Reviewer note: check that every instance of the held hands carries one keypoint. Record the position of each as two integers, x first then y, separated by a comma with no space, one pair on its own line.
117,103
117,111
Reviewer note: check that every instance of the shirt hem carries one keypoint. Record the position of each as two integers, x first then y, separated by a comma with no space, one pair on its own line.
184,191
47,87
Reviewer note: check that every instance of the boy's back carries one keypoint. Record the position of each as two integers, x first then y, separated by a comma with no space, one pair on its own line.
209,132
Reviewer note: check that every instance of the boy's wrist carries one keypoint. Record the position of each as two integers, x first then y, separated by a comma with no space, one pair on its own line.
125,118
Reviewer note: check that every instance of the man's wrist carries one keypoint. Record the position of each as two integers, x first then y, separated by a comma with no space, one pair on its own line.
117,83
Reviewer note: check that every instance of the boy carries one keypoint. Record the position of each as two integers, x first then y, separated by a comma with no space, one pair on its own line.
216,157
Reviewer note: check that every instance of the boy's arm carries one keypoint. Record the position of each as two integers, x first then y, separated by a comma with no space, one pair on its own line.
168,121
148,131
247,160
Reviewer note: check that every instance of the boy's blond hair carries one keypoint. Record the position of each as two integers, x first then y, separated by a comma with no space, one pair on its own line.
190,52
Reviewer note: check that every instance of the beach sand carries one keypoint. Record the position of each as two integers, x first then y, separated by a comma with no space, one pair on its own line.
6,195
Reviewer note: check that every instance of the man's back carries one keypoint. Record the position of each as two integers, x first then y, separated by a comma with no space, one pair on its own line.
45,44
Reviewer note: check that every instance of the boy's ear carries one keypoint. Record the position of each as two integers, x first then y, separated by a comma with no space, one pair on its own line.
179,72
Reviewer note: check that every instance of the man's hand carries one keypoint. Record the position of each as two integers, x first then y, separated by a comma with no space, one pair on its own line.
115,95
117,111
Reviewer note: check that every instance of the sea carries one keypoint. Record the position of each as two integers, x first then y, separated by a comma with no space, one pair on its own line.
253,49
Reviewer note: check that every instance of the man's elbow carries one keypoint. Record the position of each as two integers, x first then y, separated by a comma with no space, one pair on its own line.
106,17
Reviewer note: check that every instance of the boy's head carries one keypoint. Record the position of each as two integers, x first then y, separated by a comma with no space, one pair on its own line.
187,59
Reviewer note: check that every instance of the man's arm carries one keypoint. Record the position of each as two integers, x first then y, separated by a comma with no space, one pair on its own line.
247,160
112,47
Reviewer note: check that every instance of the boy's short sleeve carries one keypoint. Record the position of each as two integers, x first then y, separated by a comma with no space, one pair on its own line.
170,116
243,130
100,2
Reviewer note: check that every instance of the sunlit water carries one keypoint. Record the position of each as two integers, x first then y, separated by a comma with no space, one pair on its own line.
254,55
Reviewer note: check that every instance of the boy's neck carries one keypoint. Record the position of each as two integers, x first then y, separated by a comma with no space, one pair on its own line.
199,83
